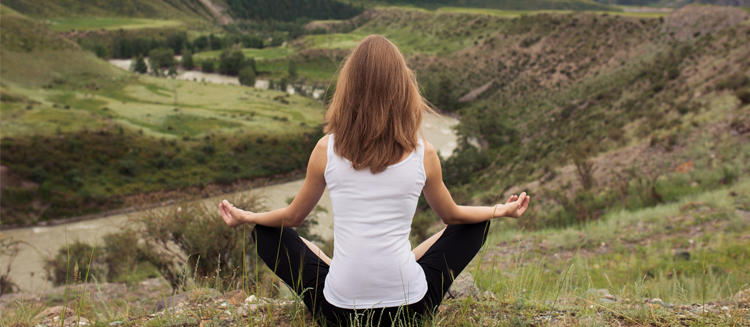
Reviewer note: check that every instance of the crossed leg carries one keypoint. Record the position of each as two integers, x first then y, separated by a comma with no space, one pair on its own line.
418,251
421,249
315,249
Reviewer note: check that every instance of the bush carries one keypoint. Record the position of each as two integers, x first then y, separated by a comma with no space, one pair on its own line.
743,95
71,263
231,61
292,69
247,76
139,65
207,66
733,82
189,236
160,58
187,60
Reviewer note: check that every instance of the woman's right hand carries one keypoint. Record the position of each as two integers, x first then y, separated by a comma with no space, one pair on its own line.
232,215
514,208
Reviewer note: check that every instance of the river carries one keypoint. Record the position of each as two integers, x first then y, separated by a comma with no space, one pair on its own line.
27,269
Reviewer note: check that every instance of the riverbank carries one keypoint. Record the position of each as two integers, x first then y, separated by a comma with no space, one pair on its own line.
28,272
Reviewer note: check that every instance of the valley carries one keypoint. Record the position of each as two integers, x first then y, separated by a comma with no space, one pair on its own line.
629,125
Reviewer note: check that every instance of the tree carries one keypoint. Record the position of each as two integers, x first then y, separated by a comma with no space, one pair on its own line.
187,59
160,58
247,76
172,71
207,66
251,63
231,61
292,69
177,41
139,65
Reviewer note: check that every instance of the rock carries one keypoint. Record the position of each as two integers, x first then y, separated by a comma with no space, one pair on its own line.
682,255
742,298
56,312
463,286
170,302
251,299
606,301
234,298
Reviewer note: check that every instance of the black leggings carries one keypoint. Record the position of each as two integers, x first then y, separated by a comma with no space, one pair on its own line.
289,257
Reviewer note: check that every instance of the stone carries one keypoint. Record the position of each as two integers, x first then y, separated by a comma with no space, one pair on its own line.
234,298
742,298
606,301
56,312
463,286
170,302
682,255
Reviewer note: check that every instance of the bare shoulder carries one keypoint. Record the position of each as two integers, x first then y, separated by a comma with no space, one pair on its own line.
429,149
323,143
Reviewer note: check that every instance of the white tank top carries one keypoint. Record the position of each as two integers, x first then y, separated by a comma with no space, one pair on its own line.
373,266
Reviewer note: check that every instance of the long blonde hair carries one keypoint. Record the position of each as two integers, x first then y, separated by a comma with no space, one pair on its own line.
377,108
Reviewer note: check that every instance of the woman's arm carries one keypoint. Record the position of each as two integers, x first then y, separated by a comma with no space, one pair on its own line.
293,215
442,203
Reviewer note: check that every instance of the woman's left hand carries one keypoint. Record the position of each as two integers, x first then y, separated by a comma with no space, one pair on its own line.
232,215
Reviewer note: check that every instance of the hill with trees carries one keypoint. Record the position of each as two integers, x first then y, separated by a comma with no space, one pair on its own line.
291,10
507,4
164,9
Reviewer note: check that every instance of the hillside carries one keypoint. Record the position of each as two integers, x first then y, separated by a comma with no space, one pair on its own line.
542,91
488,4
80,136
33,55
586,109
189,10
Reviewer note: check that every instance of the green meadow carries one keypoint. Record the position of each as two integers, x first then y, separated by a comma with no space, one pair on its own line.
161,107
110,23
258,54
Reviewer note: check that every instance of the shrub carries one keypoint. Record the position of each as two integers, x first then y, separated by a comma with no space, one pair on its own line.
207,66
247,76
127,167
733,82
189,236
161,57
39,175
187,60
743,95
231,61
71,263
9,247
292,69
139,65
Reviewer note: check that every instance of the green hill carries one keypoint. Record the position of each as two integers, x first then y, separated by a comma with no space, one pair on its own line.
290,10
34,55
587,111
492,4
163,9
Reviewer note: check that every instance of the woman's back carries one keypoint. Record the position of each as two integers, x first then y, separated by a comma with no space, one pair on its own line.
373,265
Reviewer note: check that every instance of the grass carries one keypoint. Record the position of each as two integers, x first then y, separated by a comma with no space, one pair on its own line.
334,40
148,103
108,23
545,276
258,54
626,248
519,13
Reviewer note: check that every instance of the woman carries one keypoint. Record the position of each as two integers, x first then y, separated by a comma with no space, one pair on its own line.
375,168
